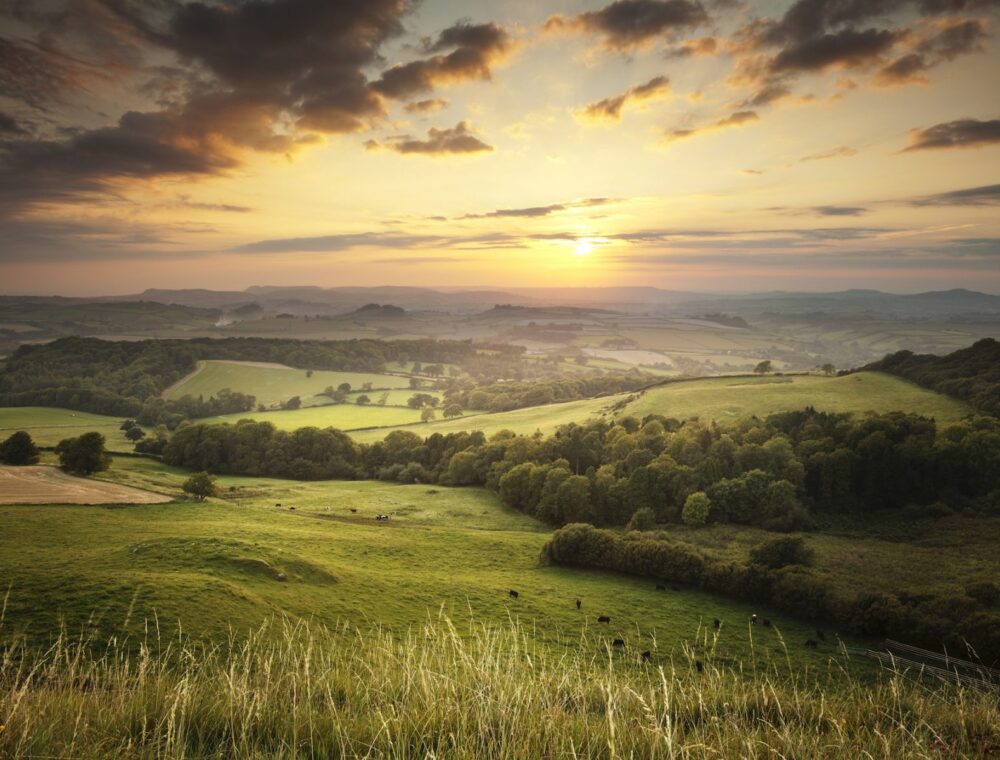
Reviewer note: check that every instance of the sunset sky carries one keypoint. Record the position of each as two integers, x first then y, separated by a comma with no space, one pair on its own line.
713,146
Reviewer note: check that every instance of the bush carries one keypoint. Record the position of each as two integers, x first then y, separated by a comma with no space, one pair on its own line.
984,592
696,509
643,519
781,552
19,449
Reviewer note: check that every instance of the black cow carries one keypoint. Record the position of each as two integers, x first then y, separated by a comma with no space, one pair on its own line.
646,655
603,619
753,619
699,665
513,594
811,643
660,587
716,623
291,509
820,635
620,643
767,623
278,504
353,509
578,603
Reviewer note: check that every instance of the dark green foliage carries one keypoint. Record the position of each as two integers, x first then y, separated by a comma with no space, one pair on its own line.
643,519
781,552
971,374
201,485
19,449
933,621
84,455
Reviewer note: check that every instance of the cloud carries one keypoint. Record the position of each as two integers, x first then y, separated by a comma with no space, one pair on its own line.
843,151
426,106
735,119
840,210
539,211
963,133
610,109
458,139
845,49
627,24
986,195
948,40
474,50
10,126
696,48
342,242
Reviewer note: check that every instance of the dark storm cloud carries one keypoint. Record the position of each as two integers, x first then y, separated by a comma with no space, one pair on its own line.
963,133
473,50
626,24
439,142
611,108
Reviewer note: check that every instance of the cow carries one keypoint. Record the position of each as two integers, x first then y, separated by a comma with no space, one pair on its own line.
603,619
699,665
820,635
620,643
578,603
646,655
753,619
811,643
354,510
716,623
513,594
278,504
767,623
291,509
660,587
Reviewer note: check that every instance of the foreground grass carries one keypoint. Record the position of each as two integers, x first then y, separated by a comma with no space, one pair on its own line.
490,691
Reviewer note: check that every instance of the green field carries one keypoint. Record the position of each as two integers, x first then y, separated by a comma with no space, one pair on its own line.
271,384
48,426
213,566
340,416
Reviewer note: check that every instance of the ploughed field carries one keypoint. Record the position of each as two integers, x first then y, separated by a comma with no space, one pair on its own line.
50,485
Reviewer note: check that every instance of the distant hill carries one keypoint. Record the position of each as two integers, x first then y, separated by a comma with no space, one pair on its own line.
378,311
971,374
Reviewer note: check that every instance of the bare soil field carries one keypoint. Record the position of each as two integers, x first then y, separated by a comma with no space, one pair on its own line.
48,485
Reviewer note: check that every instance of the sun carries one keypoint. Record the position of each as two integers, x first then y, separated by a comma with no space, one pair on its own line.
583,246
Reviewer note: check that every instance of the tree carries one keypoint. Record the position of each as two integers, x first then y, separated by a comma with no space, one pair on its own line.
309,373
828,369
344,387
135,433
453,410
763,368
127,425
293,403
362,400
19,449
84,455
414,382
427,414
201,485
642,519
696,509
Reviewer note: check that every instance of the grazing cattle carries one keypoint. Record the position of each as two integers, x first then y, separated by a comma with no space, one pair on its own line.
381,518
699,665
278,504
820,635
353,509
767,623
811,643
620,643
513,594
603,619
660,587
716,623
753,619
578,603
646,655
291,509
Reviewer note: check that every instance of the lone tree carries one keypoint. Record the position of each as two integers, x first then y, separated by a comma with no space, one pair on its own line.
427,414
84,455
134,433
19,449
453,410
362,400
828,369
763,368
201,485
293,403
344,387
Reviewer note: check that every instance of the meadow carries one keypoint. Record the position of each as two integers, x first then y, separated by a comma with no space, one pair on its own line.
48,426
273,383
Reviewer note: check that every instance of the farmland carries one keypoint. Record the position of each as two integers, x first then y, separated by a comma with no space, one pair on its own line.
48,485
48,426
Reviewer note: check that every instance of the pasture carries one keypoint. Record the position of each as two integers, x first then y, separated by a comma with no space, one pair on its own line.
347,416
272,383
48,425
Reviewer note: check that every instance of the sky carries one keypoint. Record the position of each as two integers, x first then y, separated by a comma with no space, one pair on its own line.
716,146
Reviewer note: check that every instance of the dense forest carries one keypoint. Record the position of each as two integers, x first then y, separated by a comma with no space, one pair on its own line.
971,374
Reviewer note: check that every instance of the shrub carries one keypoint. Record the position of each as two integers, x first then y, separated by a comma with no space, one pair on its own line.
201,485
781,552
643,519
696,509
84,455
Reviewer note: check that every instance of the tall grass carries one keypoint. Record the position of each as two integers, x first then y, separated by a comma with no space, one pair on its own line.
298,690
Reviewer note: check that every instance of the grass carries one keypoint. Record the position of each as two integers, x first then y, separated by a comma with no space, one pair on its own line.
271,384
456,691
48,426
341,416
